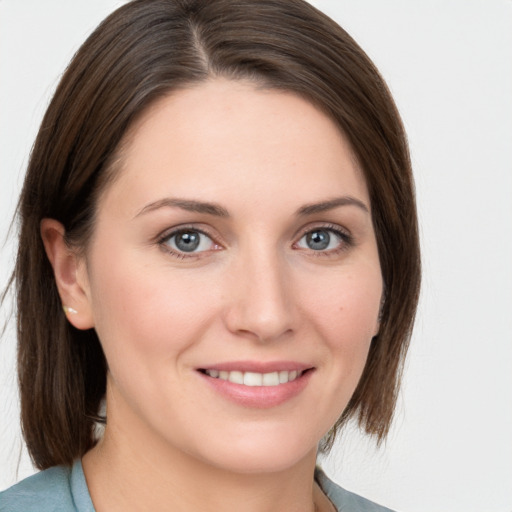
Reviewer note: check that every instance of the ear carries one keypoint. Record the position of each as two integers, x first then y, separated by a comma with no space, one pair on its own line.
70,275
376,329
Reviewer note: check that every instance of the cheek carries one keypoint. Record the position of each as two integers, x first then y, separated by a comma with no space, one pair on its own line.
146,313
344,308
348,300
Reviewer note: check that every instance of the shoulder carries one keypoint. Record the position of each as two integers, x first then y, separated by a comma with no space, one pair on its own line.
343,500
48,490
57,489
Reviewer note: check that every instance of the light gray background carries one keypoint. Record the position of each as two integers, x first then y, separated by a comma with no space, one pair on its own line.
449,65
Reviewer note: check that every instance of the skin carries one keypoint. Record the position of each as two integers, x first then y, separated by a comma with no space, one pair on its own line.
254,291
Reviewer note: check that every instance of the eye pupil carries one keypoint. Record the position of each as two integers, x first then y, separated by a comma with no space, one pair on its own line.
318,240
187,241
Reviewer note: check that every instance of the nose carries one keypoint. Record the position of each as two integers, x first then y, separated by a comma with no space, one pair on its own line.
261,305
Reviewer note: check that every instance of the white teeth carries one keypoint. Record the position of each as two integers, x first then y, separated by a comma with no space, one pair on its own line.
270,379
255,379
236,377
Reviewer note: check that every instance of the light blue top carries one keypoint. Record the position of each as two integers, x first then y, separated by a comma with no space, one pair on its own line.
58,489
64,489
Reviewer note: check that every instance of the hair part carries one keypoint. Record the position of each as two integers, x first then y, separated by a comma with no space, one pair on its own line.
143,51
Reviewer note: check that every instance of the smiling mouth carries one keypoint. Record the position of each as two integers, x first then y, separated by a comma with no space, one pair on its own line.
255,379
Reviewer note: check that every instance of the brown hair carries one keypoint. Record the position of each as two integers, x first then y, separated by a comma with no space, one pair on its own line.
139,53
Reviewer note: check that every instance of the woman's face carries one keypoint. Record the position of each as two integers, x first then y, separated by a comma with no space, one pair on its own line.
233,278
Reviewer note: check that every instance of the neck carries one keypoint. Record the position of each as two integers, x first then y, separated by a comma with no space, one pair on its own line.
132,481
124,474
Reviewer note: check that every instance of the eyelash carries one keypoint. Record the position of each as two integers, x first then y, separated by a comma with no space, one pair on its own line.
163,240
346,241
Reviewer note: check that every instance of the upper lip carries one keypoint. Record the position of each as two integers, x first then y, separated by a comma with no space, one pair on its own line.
258,366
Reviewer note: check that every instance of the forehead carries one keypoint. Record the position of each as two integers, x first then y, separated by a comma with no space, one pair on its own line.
225,136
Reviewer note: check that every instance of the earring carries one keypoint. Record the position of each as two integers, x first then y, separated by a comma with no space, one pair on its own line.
69,310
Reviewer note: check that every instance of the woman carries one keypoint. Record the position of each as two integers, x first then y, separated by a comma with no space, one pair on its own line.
218,235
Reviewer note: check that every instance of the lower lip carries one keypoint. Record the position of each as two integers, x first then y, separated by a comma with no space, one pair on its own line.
260,397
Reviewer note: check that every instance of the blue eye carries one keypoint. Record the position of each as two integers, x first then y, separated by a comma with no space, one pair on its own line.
321,239
189,241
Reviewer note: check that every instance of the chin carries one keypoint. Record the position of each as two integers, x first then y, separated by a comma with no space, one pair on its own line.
262,453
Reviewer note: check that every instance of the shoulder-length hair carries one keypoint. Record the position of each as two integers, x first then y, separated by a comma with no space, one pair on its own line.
141,52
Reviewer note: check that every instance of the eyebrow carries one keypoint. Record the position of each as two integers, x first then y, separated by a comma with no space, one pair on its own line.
191,205
310,209
186,204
